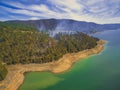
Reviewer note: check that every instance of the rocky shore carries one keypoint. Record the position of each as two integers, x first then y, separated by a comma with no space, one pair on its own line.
15,75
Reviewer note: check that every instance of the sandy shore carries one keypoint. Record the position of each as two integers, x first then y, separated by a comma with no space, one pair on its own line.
15,75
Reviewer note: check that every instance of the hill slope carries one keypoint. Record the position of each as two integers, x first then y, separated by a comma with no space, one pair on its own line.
23,44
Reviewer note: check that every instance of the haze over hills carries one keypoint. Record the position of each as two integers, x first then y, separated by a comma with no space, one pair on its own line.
67,25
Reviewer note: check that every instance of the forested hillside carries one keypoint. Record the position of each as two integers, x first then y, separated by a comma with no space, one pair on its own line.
23,44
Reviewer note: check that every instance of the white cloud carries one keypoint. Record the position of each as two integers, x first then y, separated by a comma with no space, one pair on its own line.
34,18
99,11
41,8
71,4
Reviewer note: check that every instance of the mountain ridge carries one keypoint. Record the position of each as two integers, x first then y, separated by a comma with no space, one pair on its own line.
61,25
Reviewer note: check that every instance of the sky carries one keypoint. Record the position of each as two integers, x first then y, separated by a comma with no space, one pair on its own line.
98,11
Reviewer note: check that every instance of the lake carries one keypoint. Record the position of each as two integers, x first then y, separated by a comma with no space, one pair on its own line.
97,72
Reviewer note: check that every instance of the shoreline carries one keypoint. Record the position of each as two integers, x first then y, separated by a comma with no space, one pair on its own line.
15,76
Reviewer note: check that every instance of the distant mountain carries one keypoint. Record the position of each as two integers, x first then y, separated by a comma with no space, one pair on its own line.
67,25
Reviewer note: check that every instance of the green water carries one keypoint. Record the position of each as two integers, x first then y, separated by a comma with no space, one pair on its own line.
98,72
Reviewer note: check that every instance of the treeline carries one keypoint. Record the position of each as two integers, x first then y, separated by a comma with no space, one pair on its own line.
26,46
15,26
76,42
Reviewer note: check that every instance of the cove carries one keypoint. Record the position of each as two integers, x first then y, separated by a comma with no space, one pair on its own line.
97,72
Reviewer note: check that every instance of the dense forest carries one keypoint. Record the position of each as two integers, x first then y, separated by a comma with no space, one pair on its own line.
23,44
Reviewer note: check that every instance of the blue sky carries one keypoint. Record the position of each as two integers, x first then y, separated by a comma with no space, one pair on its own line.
99,11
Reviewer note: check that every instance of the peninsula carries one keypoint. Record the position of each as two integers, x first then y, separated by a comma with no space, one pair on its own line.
24,49
15,76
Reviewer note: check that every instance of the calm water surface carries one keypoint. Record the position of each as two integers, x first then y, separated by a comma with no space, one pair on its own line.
98,72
